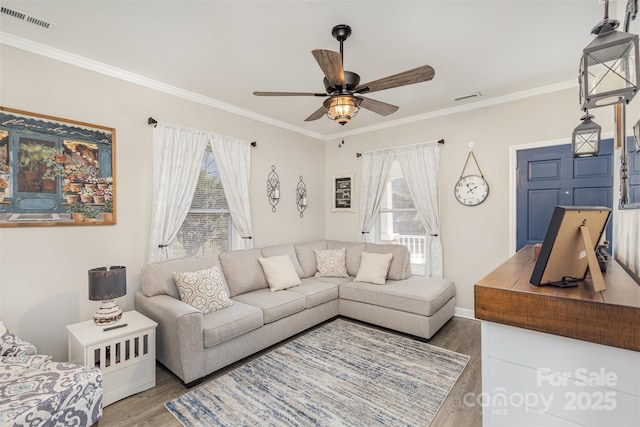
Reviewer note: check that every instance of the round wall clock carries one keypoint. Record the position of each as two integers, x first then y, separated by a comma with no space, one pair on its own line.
471,190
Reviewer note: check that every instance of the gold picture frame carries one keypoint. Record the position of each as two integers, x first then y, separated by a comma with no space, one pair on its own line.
55,171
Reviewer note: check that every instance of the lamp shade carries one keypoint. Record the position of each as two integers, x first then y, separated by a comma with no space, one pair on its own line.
585,140
342,108
609,70
107,283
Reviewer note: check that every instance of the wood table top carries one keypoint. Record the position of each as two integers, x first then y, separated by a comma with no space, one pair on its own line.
610,317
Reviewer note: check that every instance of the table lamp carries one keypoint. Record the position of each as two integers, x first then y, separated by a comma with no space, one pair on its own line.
105,285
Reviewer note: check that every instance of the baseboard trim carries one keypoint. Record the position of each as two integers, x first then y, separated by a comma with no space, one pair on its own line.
465,312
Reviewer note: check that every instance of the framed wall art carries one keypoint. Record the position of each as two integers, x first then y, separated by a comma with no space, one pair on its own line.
55,171
342,193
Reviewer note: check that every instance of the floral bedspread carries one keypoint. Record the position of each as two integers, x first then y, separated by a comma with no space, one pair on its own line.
35,391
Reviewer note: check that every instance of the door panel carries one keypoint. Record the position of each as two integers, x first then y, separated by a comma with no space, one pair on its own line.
550,176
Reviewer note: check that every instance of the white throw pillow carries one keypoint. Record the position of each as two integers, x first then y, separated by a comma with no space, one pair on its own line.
280,272
374,268
331,262
204,289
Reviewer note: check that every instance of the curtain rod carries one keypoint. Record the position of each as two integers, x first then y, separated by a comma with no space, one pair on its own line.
440,141
154,122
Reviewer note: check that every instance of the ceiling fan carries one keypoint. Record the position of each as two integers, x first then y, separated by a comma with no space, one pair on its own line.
343,88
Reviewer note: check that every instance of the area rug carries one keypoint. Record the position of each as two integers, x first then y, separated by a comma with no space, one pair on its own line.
341,374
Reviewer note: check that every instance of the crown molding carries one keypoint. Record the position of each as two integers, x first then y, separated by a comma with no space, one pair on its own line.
461,108
99,67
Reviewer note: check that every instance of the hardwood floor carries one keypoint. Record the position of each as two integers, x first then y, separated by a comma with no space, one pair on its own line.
459,334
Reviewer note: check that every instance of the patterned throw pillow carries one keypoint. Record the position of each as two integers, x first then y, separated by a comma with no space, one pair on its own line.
331,262
11,345
203,290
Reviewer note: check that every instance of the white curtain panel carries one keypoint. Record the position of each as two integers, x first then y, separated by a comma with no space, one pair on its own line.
233,157
375,172
420,166
177,159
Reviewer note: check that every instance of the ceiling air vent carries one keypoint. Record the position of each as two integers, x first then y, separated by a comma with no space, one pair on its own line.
469,96
24,17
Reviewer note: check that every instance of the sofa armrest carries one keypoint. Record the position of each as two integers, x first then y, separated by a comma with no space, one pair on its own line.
179,336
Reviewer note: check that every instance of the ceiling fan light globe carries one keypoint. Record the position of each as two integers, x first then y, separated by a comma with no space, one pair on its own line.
342,109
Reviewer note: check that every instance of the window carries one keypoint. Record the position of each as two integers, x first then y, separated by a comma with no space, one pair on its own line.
207,227
398,220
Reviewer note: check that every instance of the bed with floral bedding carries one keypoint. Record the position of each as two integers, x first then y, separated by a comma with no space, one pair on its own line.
36,391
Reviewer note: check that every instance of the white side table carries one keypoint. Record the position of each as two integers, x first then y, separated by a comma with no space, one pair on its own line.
126,356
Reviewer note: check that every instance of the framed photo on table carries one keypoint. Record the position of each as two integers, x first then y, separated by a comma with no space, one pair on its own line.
342,194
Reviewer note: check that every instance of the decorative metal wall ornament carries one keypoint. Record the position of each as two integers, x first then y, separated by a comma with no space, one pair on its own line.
301,196
273,188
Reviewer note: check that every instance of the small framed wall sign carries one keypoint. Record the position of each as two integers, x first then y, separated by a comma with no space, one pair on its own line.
342,193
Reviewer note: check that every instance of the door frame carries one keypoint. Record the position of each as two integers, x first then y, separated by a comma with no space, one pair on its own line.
513,178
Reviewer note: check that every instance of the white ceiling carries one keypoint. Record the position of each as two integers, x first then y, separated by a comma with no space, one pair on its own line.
225,50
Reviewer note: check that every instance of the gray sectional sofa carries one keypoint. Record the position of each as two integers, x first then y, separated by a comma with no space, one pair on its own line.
192,344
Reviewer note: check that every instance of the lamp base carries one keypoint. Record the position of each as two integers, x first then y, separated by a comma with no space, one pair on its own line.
108,313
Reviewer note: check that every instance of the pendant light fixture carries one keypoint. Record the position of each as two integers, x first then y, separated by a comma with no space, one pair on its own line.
585,140
609,66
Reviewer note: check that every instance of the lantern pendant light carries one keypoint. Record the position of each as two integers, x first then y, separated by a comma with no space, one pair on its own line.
609,66
585,140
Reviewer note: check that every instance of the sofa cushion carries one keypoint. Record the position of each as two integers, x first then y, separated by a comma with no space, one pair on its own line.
243,271
157,277
354,253
289,249
280,272
417,294
307,256
374,268
204,289
317,292
331,263
274,305
223,325
400,267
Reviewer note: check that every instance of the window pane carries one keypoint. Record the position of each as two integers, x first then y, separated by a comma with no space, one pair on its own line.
202,233
207,227
209,193
401,198
398,221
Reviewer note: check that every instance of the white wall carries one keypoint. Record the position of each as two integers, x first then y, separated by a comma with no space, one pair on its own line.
43,270
475,239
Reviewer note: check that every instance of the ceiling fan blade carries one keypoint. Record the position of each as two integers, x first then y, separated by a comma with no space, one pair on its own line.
331,64
288,94
409,77
379,107
317,114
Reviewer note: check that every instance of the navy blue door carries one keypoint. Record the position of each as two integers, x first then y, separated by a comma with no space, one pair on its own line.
550,176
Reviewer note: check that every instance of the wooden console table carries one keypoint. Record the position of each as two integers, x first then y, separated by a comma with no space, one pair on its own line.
610,317
558,357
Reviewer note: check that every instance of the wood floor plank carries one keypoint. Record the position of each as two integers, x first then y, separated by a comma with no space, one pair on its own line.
459,334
